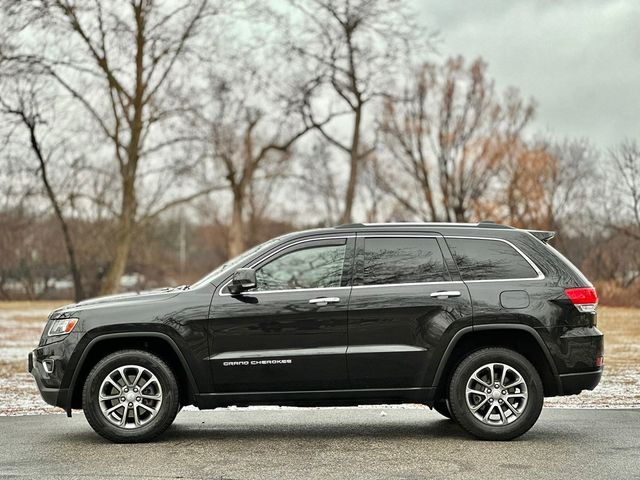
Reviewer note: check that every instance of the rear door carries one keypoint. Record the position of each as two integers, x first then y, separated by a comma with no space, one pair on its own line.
290,333
405,304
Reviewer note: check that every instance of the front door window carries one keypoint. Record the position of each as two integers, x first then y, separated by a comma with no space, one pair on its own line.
315,267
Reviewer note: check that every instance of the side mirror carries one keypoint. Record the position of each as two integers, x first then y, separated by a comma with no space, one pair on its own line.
244,279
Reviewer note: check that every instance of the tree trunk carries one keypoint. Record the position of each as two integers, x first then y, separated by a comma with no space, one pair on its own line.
354,169
78,291
111,281
236,244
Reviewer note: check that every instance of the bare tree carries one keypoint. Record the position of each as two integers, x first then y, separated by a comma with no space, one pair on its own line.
27,113
447,139
546,184
626,159
121,62
249,136
356,49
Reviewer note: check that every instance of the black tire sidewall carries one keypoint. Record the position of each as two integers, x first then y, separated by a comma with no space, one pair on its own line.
164,417
462,414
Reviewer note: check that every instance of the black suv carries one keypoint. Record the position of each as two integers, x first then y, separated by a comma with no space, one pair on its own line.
479,321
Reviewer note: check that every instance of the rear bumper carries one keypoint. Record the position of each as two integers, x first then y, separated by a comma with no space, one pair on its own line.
574,383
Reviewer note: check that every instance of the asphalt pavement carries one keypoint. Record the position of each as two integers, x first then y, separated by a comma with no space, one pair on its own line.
349,443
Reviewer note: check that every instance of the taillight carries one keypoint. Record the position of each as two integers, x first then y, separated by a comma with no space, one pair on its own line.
585,299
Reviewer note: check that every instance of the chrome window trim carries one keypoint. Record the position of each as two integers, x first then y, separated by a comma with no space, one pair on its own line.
261,261
540,275
289,290
413,284
435,235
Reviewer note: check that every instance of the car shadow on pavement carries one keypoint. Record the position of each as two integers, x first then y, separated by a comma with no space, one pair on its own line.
423,431
213,428
209,429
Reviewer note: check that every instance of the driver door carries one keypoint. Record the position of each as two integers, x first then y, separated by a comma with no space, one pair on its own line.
290,332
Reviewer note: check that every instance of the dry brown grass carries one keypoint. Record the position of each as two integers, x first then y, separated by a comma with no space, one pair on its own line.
621,327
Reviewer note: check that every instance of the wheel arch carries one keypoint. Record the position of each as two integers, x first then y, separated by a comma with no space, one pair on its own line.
521,338
157,343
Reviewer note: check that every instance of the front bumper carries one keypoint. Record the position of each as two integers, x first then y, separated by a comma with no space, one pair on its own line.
52,395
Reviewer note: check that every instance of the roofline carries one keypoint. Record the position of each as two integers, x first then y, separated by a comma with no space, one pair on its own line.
482,224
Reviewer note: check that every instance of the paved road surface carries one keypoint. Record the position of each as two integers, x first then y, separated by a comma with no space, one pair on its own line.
326,443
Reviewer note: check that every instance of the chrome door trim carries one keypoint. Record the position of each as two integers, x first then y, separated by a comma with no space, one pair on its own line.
283,352
446,294
322,301
383,348
413,284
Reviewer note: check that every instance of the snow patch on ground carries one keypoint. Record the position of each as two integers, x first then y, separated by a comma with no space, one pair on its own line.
619,389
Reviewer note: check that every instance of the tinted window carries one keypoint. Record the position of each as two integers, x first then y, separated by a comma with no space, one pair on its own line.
315,267
402,260
488,260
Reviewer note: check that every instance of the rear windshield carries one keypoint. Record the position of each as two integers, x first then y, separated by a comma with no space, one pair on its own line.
481,259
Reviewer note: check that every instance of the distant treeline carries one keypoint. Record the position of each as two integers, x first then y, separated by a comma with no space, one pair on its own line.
143,143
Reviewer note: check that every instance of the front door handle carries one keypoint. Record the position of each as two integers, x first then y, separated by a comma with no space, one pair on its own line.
322,301
446,294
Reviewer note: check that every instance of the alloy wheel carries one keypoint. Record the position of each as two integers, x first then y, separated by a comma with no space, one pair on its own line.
496,394
130,396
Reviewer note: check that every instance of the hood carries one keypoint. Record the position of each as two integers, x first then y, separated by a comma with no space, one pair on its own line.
120,299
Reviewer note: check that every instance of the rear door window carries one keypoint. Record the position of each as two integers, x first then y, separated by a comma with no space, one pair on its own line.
403,260
480,259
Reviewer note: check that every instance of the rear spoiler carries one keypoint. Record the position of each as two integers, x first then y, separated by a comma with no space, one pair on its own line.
542,235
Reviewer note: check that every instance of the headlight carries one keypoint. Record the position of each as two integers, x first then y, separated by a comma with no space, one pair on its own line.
62,326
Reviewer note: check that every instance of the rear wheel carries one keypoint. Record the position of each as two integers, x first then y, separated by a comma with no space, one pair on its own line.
130,396
496,394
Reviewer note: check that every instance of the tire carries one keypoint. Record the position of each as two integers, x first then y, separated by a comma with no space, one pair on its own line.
442,408
523,393
151,397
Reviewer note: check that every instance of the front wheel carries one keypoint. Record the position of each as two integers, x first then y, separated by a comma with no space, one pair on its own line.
496,394
130,396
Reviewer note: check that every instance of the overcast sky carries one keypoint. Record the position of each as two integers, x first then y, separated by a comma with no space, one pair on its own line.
580,59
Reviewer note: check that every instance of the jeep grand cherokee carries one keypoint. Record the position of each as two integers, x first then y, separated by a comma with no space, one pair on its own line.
479,321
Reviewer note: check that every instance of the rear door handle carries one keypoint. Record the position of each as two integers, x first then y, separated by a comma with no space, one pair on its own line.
446,294
322,301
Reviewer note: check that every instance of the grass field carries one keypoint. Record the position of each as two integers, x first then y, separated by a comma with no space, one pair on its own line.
21,324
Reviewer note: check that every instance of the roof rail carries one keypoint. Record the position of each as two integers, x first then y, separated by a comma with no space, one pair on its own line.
350,225
483,224
492,224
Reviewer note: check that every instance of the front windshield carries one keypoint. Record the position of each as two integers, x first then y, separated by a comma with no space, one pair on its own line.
233,262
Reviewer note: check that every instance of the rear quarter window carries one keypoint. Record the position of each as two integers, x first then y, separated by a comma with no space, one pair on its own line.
482,259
